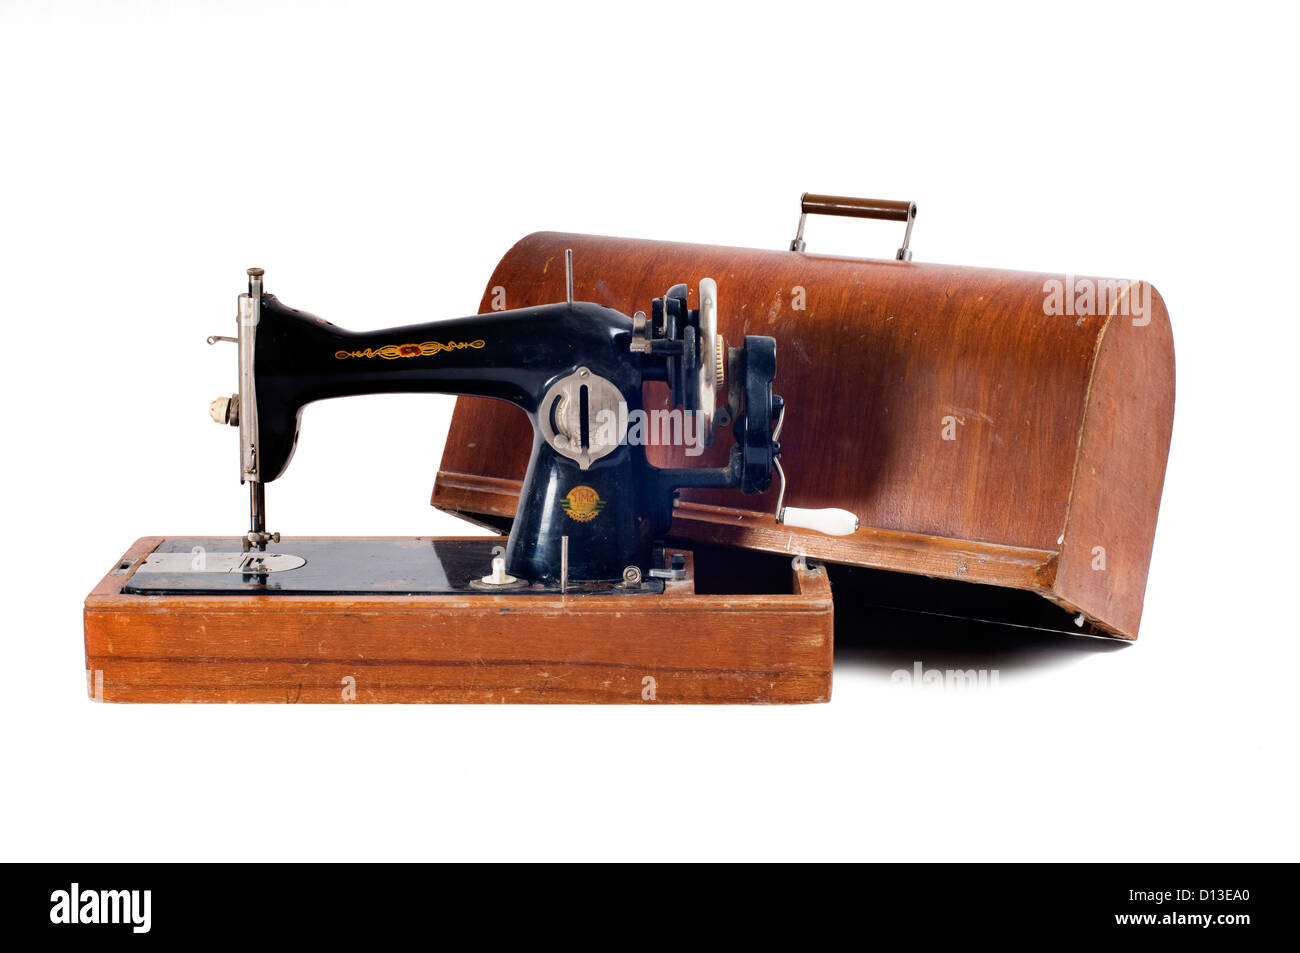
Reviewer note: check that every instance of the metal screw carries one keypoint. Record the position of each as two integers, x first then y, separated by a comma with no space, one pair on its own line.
632,576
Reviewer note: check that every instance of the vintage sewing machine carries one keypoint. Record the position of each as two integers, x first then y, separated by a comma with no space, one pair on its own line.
1000,435
584,583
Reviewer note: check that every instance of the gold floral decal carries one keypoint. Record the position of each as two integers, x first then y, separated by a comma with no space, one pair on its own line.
583,504
390,352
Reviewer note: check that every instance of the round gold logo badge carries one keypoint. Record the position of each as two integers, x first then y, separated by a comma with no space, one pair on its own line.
583,504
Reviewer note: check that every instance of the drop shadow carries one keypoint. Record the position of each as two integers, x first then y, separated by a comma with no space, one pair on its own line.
889,621
884,640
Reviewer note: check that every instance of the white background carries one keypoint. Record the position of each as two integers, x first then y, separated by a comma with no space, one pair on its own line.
378,158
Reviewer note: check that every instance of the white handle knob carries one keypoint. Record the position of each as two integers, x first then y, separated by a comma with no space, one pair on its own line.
832,521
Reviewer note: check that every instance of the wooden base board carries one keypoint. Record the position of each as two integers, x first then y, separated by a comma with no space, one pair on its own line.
678,647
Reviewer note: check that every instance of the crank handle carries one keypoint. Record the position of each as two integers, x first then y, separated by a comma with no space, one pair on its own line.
832,520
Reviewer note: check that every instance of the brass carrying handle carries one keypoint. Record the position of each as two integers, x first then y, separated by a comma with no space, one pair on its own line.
889,210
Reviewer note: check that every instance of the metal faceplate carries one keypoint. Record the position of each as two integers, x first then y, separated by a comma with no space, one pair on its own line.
582,417
199,560
250,315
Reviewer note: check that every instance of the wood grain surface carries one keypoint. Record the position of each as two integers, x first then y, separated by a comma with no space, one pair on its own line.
771,647
1059,423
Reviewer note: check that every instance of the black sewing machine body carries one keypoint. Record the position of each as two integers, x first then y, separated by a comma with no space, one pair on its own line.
514,356
593,510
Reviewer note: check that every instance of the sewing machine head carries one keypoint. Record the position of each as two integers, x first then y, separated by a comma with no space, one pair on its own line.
592,507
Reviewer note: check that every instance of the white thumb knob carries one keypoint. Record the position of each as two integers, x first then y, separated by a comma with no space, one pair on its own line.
832,521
